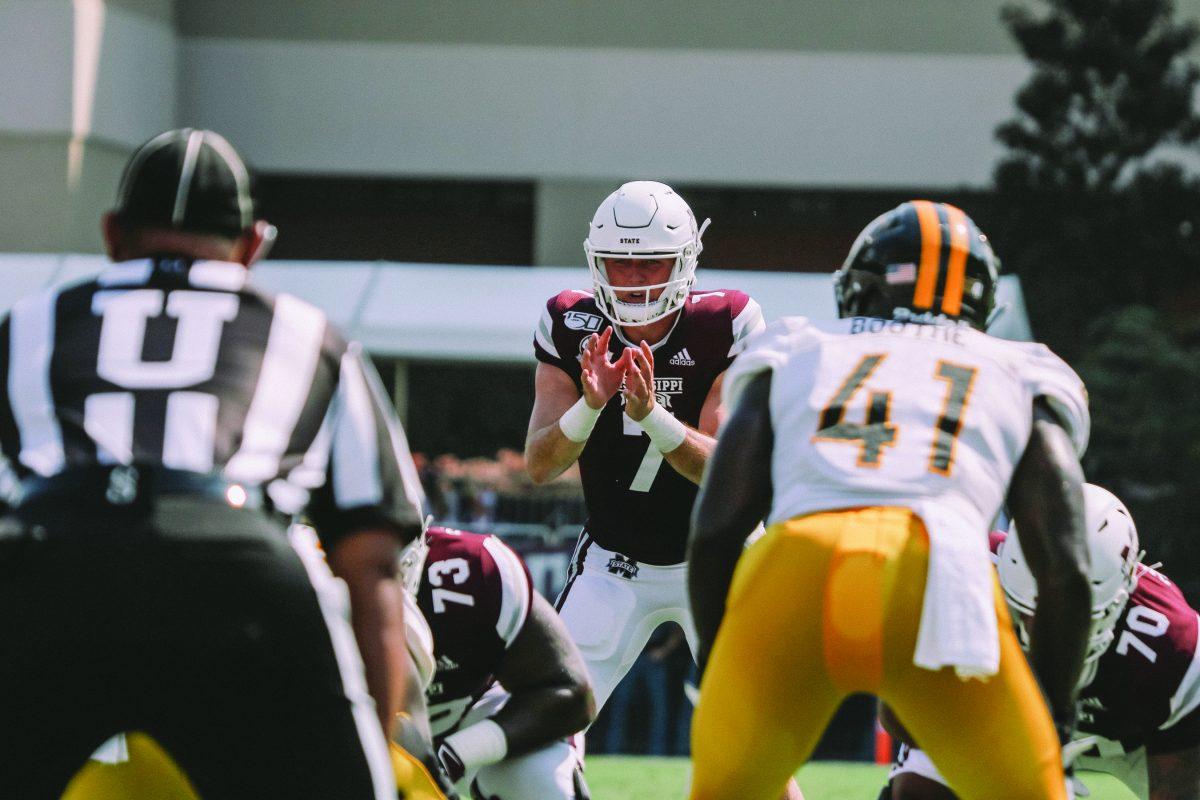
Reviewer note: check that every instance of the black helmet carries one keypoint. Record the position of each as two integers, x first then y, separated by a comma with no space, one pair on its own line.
920,261
190,180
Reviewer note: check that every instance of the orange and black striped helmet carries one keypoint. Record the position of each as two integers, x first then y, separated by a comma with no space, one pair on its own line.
920,261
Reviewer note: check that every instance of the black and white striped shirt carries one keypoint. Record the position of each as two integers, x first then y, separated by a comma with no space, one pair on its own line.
183,364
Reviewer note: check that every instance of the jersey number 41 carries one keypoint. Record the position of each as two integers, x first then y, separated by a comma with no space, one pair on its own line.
875,434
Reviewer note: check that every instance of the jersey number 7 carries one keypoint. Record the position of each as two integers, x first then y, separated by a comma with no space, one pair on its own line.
647,471
876,433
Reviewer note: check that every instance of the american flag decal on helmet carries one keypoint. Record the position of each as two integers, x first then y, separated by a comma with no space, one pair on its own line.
901,273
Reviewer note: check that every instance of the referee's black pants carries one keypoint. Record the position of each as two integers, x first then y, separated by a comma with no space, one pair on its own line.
196,623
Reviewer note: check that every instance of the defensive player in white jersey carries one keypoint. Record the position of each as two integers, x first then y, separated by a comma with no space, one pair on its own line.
879,449
1139,714
629,378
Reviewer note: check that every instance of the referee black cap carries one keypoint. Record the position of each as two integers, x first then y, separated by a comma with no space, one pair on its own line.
190,180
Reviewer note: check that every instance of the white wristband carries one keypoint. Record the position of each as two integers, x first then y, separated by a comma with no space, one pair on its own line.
479,745
666,432
577,422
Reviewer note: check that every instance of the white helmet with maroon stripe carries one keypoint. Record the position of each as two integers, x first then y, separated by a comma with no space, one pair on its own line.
1112,543
644,220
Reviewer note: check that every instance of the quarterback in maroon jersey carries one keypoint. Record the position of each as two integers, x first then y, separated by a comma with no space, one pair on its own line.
1139,713
508,686
629,378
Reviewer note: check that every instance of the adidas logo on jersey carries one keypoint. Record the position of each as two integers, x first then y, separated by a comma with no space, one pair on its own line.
682,359
445,663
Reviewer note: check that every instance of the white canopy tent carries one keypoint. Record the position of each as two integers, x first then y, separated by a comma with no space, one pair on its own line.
406,311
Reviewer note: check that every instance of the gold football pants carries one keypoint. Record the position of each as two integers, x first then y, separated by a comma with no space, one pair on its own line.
412,777
827,605
150,773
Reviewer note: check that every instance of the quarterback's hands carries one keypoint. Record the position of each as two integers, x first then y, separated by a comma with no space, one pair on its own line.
639,382
601,378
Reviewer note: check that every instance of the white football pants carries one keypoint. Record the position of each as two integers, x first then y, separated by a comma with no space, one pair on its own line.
611,606
546,774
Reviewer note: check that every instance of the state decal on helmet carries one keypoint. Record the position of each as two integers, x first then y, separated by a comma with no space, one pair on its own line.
643,220
921,261
1112,542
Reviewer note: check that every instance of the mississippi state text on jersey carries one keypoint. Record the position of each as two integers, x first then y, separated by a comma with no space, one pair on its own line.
637,504
475,593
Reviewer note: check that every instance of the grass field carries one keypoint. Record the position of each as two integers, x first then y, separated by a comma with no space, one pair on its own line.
644,778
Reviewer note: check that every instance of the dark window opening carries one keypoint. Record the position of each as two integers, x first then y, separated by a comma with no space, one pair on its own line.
345,218
801,230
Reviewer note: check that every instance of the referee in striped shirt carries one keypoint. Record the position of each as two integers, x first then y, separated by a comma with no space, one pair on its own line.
161,419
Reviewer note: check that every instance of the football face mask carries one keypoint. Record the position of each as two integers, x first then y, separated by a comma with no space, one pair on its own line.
1112,543
643,220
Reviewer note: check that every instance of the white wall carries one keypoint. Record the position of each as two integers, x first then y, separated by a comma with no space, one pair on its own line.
135,86
803,93
85,68
35,66
82,82
745,117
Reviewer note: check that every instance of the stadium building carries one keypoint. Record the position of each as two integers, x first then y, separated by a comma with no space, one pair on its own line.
432,166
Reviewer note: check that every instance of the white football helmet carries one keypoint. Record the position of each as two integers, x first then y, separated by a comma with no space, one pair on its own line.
1112,543
644,220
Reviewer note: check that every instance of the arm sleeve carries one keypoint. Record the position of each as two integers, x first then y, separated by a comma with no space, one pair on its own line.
516,588
371,480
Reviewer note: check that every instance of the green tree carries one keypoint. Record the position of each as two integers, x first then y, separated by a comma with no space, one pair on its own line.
1145,388
1092,213
1103,226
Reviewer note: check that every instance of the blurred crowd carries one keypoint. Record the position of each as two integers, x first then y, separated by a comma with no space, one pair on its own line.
478,493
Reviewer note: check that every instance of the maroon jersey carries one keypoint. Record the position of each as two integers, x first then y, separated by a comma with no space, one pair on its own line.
1147,686
475,593
637,504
